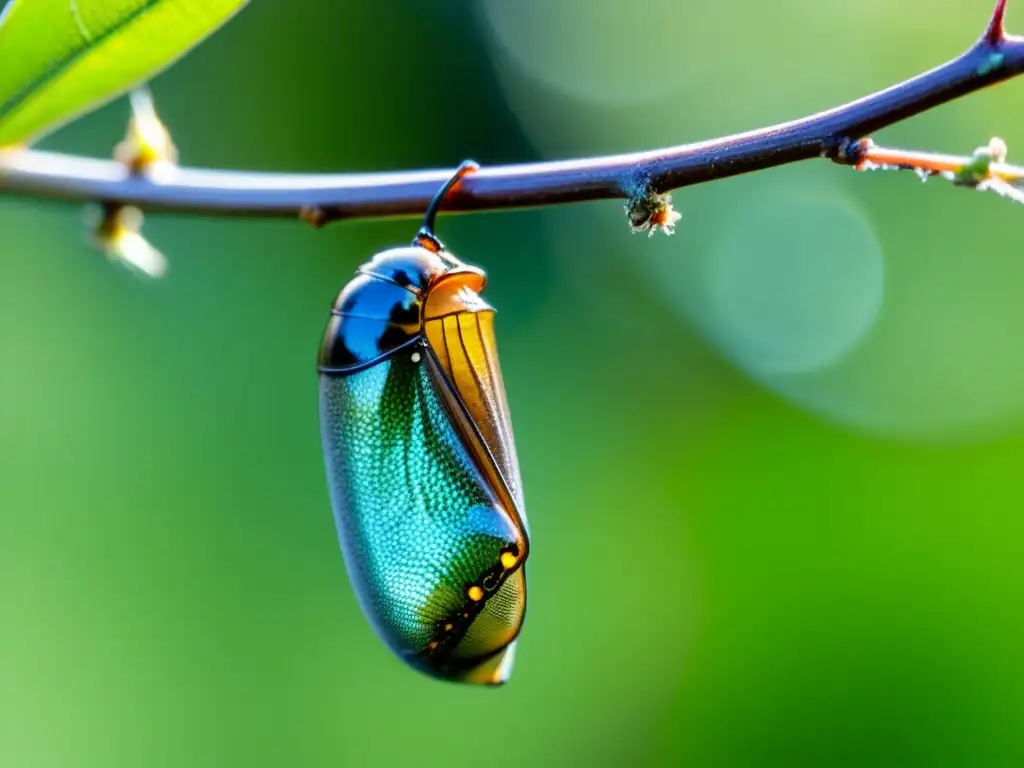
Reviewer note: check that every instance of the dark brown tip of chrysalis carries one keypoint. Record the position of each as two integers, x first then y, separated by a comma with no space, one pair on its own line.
995,34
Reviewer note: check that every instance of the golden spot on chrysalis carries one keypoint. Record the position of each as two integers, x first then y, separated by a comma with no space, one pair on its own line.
508,560
475,593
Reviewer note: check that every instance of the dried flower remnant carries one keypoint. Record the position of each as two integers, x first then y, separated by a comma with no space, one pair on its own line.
146,150
147,147
117,235
649,211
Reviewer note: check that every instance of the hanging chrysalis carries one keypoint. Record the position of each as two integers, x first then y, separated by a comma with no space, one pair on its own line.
421,462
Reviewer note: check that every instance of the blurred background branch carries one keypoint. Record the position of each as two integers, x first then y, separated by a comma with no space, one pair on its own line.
641,178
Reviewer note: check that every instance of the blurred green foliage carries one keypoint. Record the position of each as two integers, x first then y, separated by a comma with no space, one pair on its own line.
772,463
59,59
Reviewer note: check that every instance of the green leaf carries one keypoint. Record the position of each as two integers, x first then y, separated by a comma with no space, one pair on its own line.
62,58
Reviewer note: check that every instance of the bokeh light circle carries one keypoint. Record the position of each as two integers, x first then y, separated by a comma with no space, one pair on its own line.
936,363
601,51
793,282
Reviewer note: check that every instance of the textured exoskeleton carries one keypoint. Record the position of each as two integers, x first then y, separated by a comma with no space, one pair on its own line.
422,466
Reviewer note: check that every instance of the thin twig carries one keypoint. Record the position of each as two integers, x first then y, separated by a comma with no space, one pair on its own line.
932,163
995,57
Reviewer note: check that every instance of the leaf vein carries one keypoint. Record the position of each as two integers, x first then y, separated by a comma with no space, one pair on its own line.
77,15
19,99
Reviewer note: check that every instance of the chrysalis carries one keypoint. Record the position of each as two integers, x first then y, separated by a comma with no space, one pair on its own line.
421,462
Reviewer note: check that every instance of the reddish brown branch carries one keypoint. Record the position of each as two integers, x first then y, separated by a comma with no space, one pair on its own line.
993,58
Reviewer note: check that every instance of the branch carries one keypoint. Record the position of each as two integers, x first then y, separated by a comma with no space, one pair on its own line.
641,178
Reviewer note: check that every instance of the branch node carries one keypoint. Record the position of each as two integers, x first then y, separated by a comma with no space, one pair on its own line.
648,210
853,152
314,215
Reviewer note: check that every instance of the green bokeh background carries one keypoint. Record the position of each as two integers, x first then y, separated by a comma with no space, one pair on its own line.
772,463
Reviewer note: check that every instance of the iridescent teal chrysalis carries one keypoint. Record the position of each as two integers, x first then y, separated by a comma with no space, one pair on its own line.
421,462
